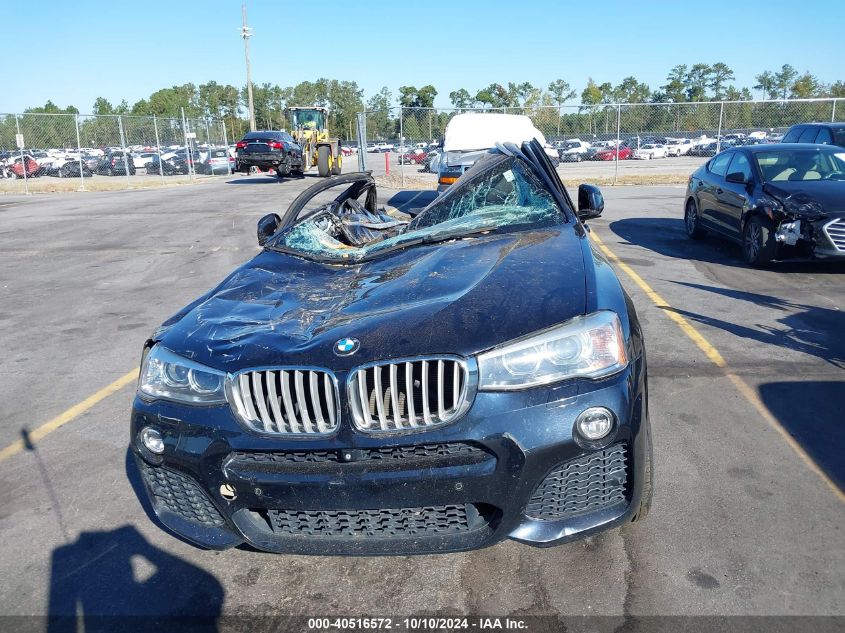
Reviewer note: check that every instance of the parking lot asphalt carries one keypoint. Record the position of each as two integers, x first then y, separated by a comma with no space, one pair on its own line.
744,521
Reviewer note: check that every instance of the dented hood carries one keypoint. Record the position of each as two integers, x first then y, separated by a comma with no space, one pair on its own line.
455,297
809,197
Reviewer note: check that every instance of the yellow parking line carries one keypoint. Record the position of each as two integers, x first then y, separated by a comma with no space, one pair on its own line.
713,354
71,414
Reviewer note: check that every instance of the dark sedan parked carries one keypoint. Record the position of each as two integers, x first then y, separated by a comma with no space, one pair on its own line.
91,161
776,200
116,164
70,169
426,164
704,150
169,166
819,133
371,383
269,150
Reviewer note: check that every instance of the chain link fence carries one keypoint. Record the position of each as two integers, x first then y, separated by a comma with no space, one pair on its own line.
400,142
51,152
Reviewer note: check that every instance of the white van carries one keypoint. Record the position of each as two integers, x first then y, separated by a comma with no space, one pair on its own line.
469,135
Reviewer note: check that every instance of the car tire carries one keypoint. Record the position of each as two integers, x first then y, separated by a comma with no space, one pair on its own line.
283,170
692,221
758,242
577,158
412,161
323,156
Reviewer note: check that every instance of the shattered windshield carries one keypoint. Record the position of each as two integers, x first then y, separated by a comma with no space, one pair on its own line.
499,193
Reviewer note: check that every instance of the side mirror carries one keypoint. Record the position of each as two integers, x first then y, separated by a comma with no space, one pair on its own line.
590,202
736,177
267,227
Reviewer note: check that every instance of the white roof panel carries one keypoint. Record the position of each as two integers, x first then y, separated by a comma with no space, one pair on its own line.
476,131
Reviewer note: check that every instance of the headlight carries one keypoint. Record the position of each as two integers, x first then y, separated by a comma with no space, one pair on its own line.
171,377
591,346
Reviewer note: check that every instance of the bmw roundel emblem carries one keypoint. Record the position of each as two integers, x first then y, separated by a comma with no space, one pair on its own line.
347,346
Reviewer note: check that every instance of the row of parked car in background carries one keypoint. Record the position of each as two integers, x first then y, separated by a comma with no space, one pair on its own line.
651,147
114,161
576,150
203,159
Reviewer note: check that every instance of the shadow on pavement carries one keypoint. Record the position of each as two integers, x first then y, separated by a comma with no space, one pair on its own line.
270,178
668,237
809,329
811,411
255,180
106,578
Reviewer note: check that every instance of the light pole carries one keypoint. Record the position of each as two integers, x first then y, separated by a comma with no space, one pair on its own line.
246,33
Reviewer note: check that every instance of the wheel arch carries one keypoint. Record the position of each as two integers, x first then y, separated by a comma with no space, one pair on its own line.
691,197
750,213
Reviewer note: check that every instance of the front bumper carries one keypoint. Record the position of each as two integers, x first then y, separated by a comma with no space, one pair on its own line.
817,239
512,467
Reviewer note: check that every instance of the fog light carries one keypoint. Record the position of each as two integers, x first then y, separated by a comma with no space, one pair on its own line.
595,423
152,440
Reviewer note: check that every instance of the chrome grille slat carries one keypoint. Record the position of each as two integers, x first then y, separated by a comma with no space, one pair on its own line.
314,395
424,380
409,391
394,396
247,396
382,418
441,413
456,381
300,399
290,411
408,395
258,392
363,400
835,232
274,400
286,401
328,391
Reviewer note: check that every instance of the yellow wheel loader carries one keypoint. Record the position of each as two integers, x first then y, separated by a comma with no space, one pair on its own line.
309,128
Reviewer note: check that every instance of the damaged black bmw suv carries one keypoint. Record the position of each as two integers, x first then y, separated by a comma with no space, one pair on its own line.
373,383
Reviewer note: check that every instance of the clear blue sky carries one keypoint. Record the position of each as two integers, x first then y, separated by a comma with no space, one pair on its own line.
72,48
